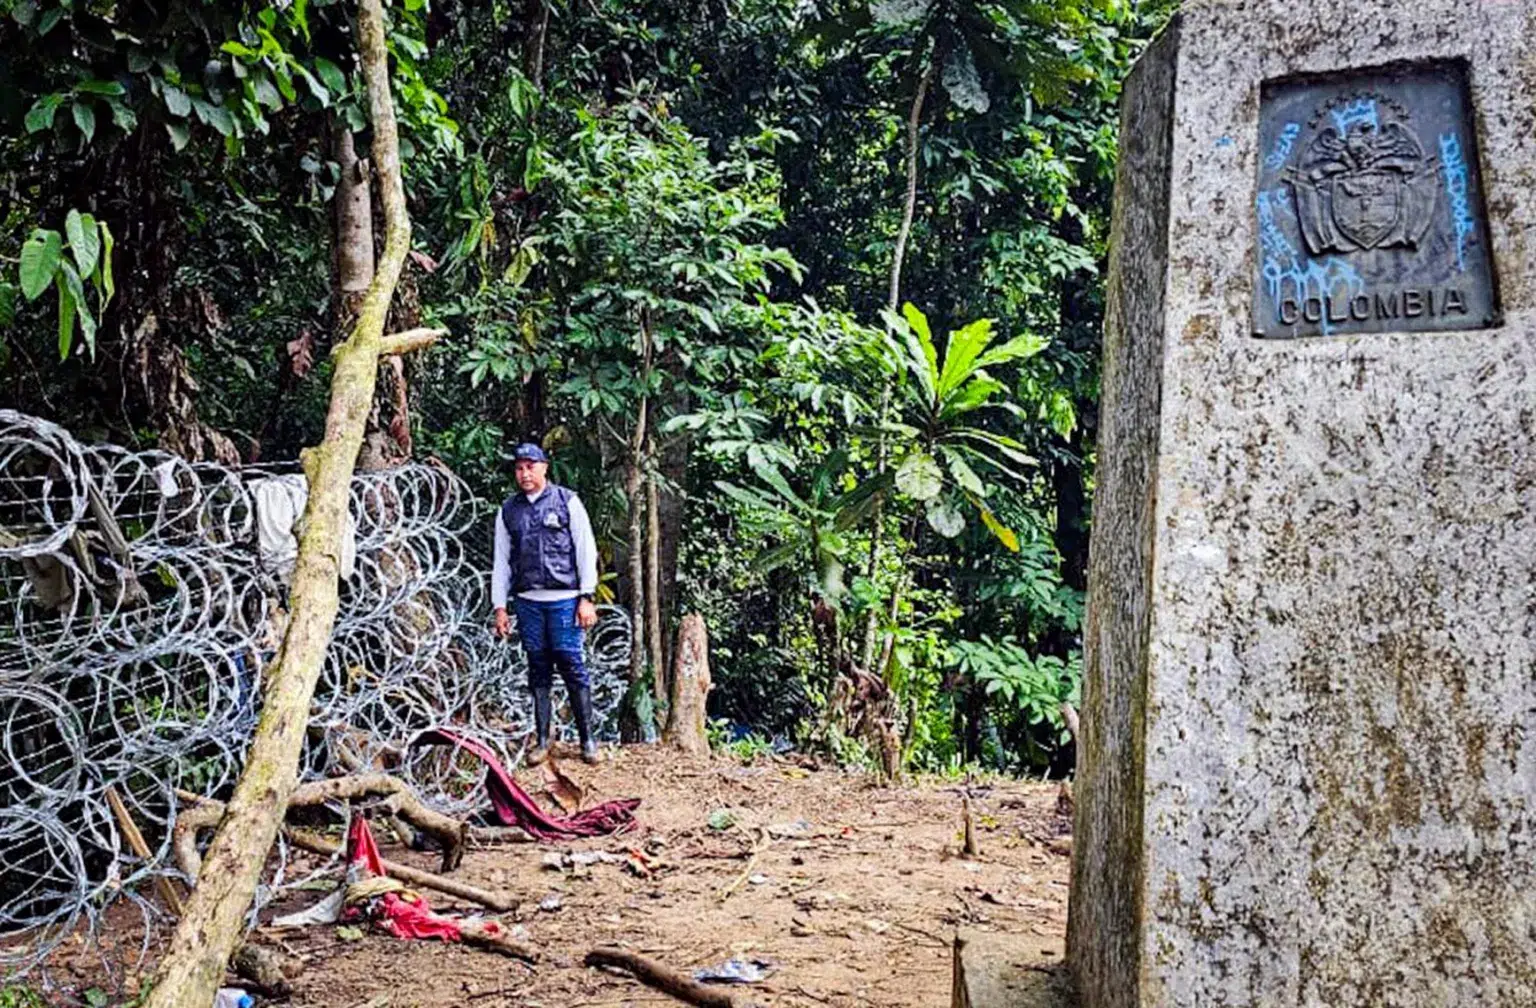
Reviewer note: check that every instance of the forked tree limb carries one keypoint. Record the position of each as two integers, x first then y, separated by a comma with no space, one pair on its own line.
663,978
209,931
400,801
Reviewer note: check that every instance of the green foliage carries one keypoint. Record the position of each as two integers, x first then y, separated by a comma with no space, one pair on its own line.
1034,686
685,206
43,264
16,996
747,748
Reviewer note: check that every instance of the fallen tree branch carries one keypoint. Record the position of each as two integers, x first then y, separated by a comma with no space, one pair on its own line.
135,841
663,978
481,935
500,902
400,800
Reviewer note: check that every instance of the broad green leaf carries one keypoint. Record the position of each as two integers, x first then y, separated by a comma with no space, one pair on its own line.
331,74
769,473
772,559
964,475
265,92
945,519
177,103
965,345
104,283
122,116
319,90
919,476
925,359
49,19
1017,348
66,321
40,261
216,116
972,395
40,116
85,119
84,241
87,327
742,495
1005,446
1004,534
100,87
180,133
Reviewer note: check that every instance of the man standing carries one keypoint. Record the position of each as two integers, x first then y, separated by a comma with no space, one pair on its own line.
545,552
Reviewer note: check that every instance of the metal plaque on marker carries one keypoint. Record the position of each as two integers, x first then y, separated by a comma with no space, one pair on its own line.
1370,206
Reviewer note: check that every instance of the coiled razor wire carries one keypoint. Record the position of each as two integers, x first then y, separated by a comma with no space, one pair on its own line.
137,619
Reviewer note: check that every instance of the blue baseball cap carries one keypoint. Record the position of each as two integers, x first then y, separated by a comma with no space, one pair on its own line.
529,453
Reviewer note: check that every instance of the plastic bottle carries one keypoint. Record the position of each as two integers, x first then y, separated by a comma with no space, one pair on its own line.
232,997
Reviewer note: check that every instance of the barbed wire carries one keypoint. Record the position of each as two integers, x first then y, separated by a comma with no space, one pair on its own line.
139,609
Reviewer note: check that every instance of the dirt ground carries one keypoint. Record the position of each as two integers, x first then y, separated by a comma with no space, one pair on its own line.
854,895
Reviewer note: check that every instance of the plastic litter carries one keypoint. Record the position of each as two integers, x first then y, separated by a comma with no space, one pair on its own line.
737,970
232,997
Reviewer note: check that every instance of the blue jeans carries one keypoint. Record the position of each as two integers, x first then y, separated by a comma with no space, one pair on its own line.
552,641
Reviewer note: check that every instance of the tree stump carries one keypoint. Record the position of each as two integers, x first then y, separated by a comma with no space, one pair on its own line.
690,688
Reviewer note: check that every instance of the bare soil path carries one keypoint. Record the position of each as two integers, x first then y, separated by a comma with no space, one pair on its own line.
855,896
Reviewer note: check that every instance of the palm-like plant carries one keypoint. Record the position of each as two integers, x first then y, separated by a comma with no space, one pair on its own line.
938,442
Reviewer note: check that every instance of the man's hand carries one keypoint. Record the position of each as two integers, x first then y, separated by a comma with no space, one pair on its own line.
503,624
586,614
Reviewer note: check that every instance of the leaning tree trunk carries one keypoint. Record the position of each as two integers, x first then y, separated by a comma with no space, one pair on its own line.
893,301
207,934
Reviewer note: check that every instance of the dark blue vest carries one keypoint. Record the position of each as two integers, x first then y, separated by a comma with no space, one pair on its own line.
543,553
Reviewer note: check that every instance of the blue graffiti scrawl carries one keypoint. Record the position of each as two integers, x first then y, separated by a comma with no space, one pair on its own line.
1292,276
1455,167
1283,145
1366,213
1361,110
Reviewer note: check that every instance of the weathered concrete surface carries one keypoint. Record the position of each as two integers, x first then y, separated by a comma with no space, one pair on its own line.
1310,720
1103,915
1001,971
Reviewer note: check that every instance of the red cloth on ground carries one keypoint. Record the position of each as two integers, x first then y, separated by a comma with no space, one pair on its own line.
416,920
401,917
514,806
361,847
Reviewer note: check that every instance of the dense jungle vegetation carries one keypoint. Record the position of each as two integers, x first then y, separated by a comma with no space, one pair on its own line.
804,296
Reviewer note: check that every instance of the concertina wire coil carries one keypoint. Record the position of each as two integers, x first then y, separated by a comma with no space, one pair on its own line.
132,651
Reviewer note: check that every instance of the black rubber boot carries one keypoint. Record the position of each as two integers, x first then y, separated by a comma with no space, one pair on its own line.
542,715
581,707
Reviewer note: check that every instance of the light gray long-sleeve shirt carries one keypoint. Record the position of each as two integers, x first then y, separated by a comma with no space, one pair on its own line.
586,558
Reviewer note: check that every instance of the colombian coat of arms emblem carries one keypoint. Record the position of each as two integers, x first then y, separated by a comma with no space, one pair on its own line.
1364,181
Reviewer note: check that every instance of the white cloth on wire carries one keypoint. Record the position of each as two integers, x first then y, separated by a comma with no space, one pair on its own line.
280,504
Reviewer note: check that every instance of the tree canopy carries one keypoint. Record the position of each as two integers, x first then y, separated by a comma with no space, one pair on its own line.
803,298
